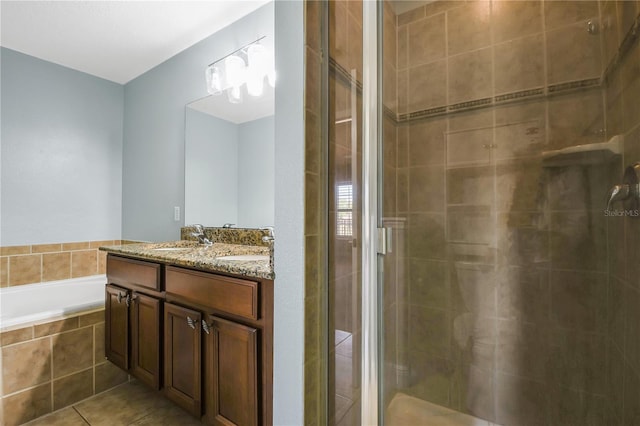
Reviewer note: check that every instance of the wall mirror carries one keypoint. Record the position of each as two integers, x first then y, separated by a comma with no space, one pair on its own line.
229,163
229,159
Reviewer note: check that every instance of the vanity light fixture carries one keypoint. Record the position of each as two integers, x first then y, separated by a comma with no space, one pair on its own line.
247,66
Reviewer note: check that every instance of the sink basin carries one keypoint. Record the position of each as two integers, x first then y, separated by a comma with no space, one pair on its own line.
172,248
245,257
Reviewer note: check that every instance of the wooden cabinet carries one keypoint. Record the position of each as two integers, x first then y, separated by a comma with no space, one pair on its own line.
133,319
116,337
204,339
233,296
145,339
232,362
183,357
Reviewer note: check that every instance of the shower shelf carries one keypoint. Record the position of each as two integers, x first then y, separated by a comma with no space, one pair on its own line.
595,153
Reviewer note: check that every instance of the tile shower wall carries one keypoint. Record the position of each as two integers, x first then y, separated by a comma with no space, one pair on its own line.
49,262
520,292
51,365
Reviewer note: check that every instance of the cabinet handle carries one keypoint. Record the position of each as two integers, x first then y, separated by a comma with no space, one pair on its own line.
205,327
131,299
123,296
191,323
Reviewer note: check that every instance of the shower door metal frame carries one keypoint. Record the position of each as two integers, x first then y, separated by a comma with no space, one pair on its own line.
371,383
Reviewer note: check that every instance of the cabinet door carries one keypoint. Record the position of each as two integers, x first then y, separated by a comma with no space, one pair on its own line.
116,333
145,339
232,362
182,357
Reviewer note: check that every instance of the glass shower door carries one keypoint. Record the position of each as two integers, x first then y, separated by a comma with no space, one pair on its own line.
510,292
345,209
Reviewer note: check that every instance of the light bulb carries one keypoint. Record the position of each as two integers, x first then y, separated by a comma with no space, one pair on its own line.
235,70
214,80
234,94
256,70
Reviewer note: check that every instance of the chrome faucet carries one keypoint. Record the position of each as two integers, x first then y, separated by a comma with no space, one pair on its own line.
199,234
617,193
272,235
628,190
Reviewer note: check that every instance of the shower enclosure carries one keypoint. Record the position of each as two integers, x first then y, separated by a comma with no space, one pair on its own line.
498,280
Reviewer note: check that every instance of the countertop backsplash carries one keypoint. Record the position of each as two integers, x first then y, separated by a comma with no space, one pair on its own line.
242,236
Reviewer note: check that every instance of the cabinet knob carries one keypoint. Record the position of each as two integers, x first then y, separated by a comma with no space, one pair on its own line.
191,323
206,327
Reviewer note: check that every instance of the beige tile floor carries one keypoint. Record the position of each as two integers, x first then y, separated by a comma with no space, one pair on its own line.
130,404
405,410
133,404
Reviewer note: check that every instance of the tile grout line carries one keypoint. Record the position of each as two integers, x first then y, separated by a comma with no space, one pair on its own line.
51,371
80,414
93,356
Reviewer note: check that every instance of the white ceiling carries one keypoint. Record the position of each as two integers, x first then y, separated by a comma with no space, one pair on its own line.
115,40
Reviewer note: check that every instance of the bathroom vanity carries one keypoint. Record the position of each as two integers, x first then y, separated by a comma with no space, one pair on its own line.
195,323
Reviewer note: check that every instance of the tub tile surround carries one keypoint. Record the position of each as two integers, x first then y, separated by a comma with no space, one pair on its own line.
49,366
30,264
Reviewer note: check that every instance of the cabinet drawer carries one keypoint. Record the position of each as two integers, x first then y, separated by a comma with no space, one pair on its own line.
232,295
133,272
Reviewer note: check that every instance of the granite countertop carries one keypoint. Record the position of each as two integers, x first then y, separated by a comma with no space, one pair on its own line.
194,255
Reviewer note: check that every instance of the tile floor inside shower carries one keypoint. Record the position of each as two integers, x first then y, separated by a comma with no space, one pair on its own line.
403,410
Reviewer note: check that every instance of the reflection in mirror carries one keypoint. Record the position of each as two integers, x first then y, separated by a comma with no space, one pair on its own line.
229,161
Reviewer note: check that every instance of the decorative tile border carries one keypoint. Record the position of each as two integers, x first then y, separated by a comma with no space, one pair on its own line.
519,95
552,90
632,37
574,85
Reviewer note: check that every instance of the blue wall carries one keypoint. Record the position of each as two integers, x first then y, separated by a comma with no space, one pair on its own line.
229,171
256,168
288,345
153,168
211,178
61,175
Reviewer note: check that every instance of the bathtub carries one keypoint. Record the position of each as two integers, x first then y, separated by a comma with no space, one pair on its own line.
38,302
